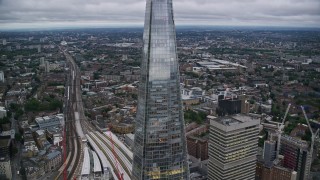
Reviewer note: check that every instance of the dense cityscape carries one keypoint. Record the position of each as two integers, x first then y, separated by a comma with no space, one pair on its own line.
189,102
257,73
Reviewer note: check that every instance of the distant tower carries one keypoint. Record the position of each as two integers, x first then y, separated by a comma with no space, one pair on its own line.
42,61
124,57
294,44
47,66
4,42
1,76
39,48
159,145
233,147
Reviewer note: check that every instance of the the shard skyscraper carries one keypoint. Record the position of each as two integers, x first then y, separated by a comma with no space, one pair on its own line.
159,144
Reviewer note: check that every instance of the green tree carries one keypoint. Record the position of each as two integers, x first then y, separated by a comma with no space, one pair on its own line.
192,116
18,136
54,104
32,105
4,120
18,113
307,136
14,106
14,150
96,75
272,95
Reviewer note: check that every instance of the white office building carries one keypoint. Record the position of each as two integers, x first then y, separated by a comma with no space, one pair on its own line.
233,147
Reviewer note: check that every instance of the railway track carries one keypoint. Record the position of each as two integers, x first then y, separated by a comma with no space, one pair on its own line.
72,139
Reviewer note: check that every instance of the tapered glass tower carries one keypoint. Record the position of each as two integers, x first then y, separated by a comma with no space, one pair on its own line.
159,145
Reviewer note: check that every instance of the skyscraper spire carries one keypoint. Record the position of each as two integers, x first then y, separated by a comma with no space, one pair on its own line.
159,146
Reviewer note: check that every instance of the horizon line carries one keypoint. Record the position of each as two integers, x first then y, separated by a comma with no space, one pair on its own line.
235,27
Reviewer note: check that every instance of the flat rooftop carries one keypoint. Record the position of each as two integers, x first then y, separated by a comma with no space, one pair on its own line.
219,64
294,141
233,120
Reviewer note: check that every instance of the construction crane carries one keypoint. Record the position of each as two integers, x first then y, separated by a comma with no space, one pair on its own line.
280,130
119,174
313,137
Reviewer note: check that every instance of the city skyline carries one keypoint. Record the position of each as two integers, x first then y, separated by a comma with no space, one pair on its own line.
26,14
92,76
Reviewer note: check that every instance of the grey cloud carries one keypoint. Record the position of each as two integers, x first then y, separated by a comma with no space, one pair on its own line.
211,12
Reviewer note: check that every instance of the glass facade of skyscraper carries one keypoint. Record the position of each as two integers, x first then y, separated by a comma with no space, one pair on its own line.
159,146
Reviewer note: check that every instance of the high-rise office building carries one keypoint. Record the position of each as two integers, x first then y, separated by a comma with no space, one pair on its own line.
47,66
295,152
42,61
233,147
39,48
269,151
159,144
229,107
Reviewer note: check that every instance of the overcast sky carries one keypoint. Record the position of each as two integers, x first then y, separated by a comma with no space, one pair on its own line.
97,13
